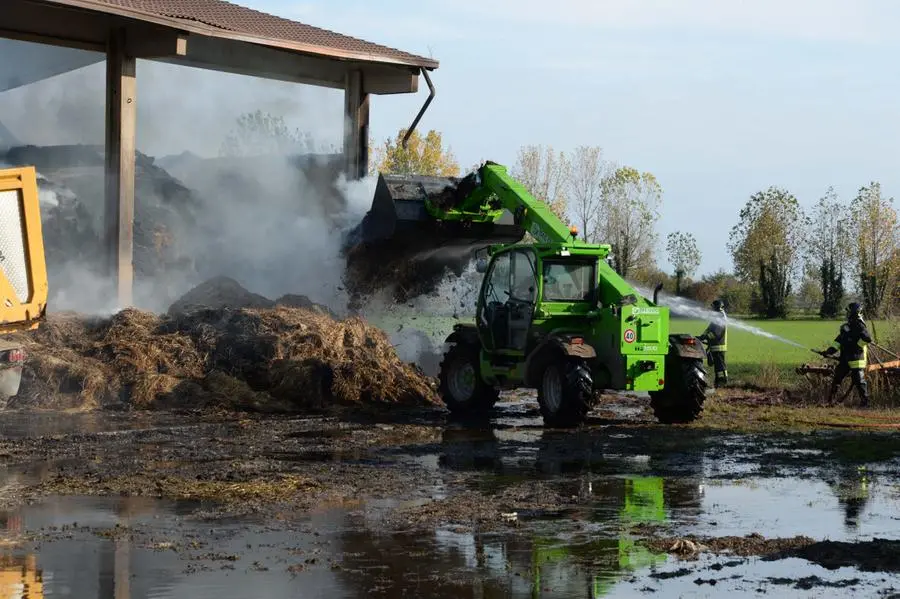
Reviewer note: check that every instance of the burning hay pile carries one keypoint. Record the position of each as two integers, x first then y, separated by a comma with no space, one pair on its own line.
273,359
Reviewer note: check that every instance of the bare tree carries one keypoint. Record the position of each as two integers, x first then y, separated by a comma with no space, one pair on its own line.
629,209
830,249
545,174
878,242
586,190
684,255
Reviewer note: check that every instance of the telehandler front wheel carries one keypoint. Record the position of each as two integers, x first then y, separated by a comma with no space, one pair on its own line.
463,390
565,393
681,400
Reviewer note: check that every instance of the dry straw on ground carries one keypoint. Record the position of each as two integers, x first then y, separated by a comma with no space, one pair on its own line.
268,359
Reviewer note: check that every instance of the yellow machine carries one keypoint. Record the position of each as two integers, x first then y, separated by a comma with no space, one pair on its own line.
23,270
20,577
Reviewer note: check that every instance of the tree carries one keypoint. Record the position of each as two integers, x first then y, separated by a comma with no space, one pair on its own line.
809,296
684,255
724,286
585,190
545,174
877,240
629,209
829,248
260,133
421,156
764,246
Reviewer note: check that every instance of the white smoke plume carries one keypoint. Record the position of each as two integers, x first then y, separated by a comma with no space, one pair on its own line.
270,224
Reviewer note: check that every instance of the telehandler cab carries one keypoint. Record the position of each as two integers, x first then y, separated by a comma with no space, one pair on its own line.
552,315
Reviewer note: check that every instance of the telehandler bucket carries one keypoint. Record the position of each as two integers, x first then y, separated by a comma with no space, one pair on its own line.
400,219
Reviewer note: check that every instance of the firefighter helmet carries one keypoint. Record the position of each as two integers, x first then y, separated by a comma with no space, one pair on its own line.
854,310
717,305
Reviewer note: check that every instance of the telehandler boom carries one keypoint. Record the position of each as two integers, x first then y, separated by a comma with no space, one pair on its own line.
551,315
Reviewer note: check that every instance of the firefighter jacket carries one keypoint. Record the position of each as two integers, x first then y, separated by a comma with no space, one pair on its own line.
716,334
852,343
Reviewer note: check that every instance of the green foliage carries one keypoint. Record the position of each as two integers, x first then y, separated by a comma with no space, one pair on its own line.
774,287
765,244
684,255
421,156
809,297
725,286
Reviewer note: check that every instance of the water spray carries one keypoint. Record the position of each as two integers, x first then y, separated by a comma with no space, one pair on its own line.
689,308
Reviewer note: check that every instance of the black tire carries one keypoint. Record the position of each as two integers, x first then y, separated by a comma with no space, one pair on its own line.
565,393
681,401
480,398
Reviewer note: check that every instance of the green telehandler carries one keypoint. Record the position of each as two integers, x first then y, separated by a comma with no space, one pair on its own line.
552,315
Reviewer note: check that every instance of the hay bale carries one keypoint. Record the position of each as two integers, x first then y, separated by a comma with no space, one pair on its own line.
292,300
218,292
266,360
60,372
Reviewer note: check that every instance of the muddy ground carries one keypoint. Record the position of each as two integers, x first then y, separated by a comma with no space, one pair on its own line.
415,504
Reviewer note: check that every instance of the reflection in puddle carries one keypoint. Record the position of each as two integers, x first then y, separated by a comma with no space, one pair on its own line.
145,548
608,488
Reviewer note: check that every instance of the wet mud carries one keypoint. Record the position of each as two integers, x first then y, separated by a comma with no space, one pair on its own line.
204,504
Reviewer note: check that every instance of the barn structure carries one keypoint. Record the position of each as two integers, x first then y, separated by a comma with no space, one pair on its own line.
209,34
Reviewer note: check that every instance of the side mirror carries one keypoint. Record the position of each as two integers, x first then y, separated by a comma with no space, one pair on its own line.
481,266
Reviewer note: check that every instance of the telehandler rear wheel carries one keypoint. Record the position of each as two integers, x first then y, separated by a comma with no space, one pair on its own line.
463,390
565,393
681,400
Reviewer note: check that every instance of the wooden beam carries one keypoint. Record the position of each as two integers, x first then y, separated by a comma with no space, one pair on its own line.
121,119
258,61
156,44
53,24
395,81
356,126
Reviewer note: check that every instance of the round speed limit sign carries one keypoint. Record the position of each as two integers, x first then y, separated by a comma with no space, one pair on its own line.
630,336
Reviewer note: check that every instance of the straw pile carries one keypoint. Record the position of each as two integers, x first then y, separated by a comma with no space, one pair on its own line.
262,359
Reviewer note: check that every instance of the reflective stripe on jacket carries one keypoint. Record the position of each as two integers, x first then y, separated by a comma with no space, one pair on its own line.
716,334
852,342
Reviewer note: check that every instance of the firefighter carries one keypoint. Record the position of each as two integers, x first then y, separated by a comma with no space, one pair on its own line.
716,338
852,343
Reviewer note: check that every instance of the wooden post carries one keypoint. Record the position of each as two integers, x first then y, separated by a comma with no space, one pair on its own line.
356,126
121,119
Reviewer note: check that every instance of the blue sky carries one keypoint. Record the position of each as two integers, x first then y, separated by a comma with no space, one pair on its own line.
718,98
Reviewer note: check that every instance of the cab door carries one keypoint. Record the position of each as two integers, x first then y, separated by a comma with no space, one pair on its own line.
507,300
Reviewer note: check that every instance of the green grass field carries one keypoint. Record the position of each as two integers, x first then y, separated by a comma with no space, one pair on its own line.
752,359
766,362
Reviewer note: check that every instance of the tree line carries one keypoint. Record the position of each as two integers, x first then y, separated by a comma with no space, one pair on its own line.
786,259
607,202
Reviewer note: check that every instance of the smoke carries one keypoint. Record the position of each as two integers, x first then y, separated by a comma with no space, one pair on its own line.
418,328
275,223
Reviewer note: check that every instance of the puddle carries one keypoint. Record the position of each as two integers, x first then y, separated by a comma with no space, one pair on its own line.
583,504
146,548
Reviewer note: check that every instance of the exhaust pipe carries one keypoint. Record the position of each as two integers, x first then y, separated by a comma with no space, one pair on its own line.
656,293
